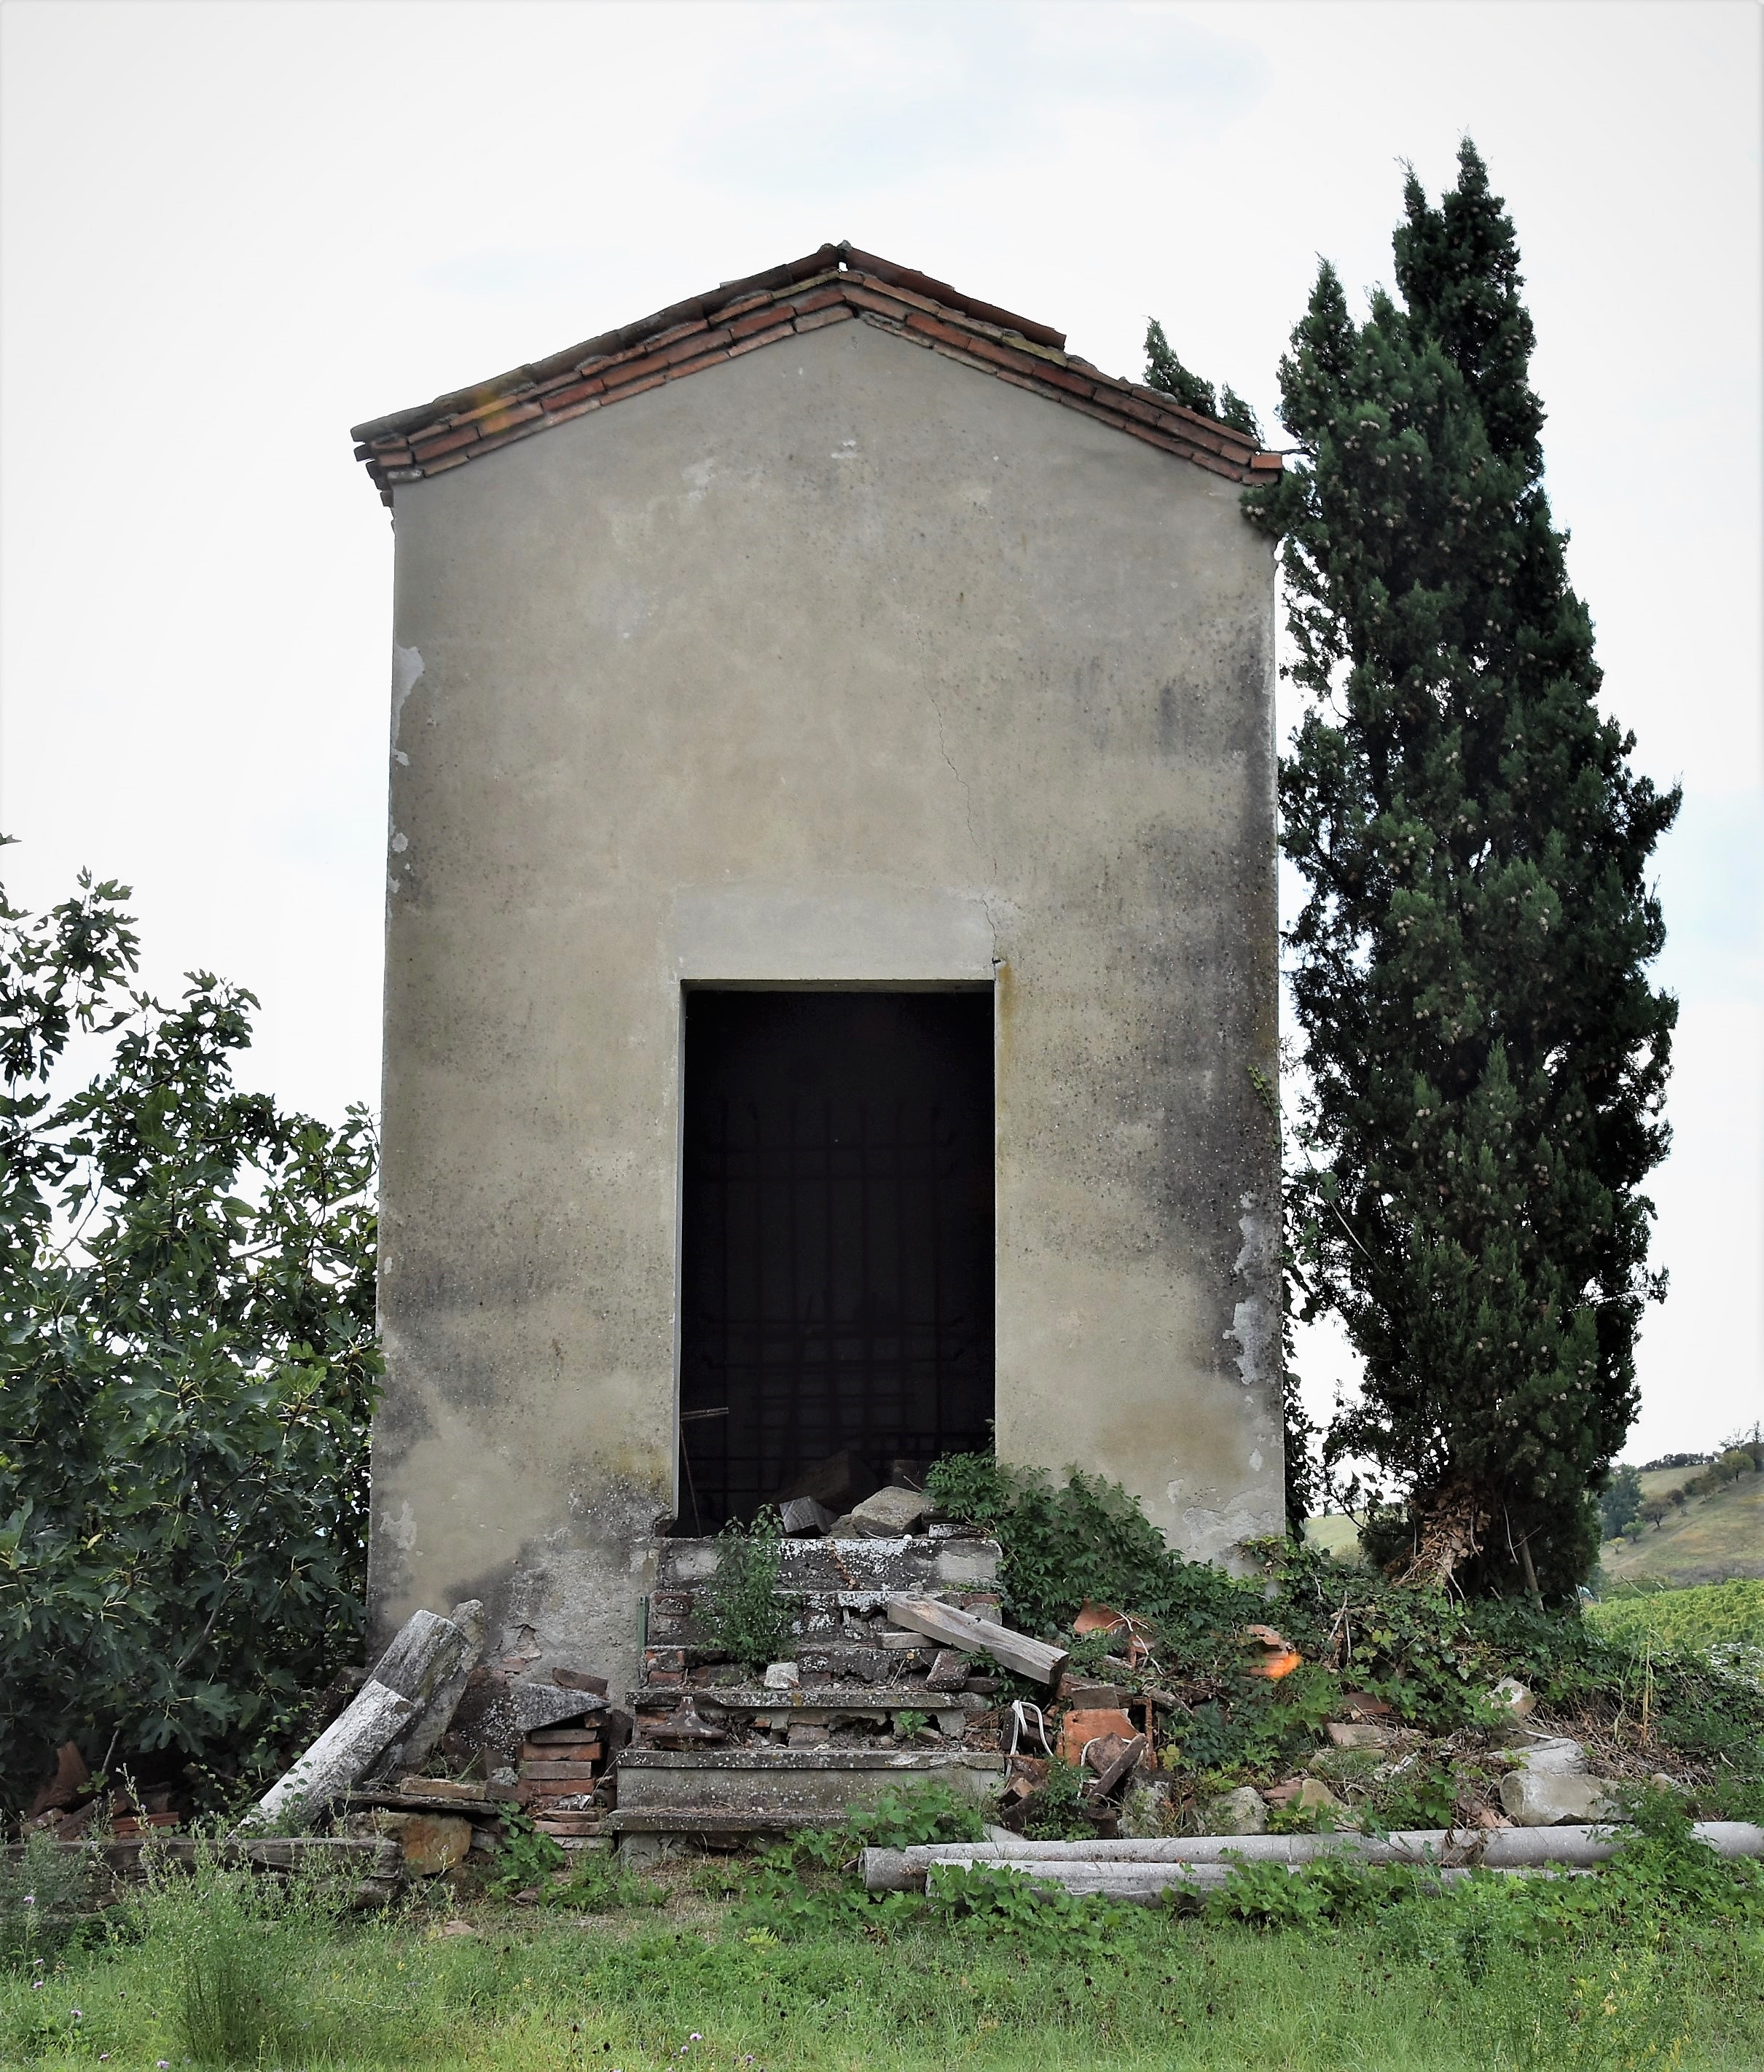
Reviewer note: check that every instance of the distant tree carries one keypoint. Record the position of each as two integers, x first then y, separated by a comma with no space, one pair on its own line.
1487,1059
1667,1460
1165,371
187,1364
1620,1502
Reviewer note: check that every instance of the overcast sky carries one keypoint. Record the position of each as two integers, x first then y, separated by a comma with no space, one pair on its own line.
230,231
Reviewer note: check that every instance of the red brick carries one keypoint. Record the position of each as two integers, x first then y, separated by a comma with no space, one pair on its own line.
507,438
866,299
840,314
685,367
935,327
663,339
634,387
746,327
517,413
446,461
428,449
574,410
1032,364
697,348
1129,406
1267,463
743,304
822,298
760,338
902,295
404,475
619,378
561,398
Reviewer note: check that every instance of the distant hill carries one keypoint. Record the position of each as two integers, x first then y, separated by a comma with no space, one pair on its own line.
1712,1539
1335,1533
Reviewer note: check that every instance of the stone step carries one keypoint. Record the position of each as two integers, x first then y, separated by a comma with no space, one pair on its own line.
756,1790
814,1701
838,1572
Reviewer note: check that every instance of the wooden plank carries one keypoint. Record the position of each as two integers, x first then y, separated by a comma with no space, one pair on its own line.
1014,1651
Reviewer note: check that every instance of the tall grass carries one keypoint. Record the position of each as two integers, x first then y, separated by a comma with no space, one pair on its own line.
251,1971
222,1975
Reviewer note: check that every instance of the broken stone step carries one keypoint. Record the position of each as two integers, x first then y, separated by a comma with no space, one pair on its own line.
579,1771
856,1568
811,1700
482,1802
762,1782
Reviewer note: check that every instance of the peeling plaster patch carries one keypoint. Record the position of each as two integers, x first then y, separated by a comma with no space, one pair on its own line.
1252,1326
1209,1531
401,1529
698,478
1252,1322
400,841
407,668
1255,1460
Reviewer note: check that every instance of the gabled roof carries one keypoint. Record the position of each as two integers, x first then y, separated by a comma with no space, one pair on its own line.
830,286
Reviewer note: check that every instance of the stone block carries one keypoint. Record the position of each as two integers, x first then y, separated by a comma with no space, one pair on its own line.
1541,1799
1239,1812
430,1843
890,1514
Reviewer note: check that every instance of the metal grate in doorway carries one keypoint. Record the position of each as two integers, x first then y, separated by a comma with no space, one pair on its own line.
838,1272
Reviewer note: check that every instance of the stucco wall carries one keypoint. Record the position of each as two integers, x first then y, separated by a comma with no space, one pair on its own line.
841,662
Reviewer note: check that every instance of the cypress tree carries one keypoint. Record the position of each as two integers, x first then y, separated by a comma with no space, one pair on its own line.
1487,1059
1164,370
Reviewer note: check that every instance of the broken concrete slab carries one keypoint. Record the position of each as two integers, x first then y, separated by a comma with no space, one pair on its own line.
535,1705
1358,1734
804,1517
1552,1755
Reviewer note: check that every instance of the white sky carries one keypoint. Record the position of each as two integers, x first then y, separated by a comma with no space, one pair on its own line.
231,231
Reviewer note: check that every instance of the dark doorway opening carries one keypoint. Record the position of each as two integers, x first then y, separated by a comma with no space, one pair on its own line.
837,1238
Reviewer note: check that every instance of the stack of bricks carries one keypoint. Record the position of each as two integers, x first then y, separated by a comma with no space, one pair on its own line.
560,1768
831,285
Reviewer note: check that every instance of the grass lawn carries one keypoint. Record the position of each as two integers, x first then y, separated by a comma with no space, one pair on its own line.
1424,1987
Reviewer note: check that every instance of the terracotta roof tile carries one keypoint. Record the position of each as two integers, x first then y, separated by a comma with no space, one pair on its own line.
826,286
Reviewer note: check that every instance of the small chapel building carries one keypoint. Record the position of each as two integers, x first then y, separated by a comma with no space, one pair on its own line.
830,941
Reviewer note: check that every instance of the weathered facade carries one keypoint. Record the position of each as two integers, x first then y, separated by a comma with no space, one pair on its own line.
854,748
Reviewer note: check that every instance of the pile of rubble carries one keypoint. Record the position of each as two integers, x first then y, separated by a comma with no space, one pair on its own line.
898,1669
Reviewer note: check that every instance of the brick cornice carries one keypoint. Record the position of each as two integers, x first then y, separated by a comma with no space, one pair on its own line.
835,285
